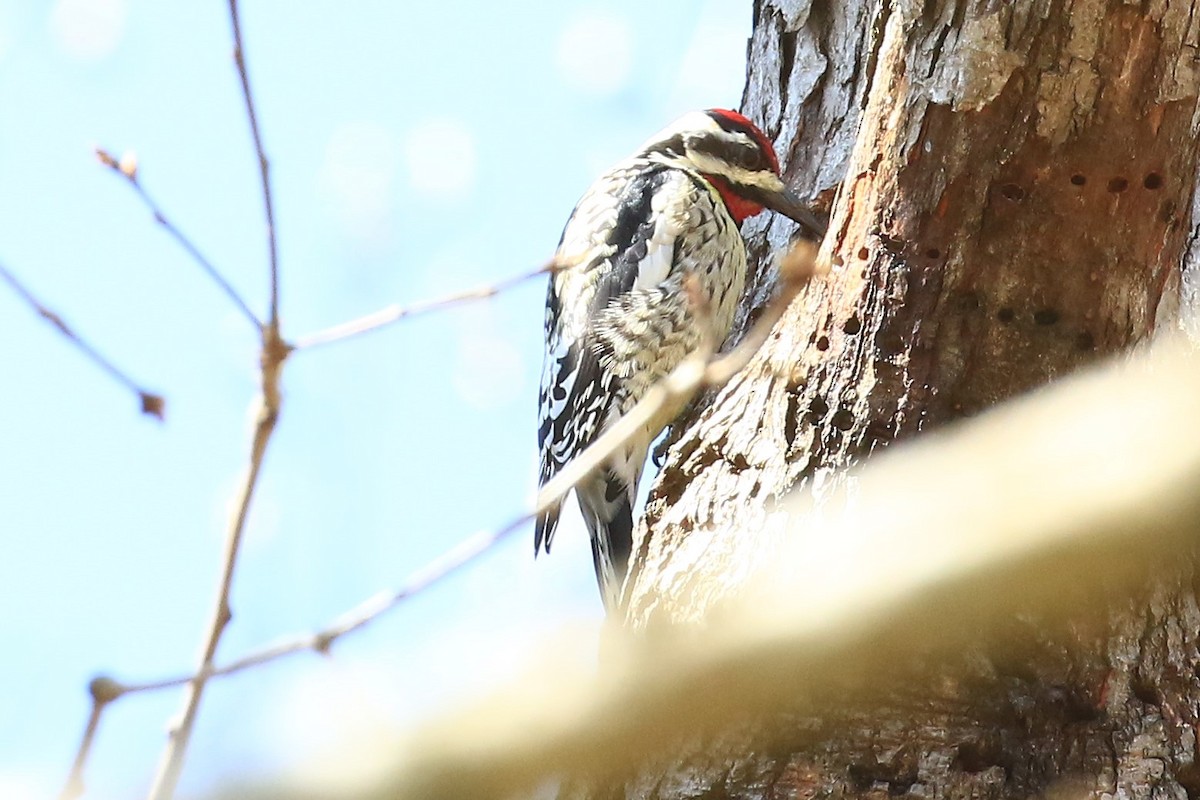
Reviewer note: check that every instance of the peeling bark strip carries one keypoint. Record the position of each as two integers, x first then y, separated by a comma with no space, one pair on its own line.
1015,184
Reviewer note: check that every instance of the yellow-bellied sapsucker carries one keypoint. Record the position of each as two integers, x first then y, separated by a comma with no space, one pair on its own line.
617,316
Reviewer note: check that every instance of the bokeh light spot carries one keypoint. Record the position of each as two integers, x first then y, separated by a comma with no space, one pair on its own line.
440,157
359,174
595,53
88,30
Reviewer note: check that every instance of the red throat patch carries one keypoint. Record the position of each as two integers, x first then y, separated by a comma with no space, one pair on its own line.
739,207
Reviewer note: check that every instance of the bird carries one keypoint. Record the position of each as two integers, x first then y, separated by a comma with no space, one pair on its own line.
618,313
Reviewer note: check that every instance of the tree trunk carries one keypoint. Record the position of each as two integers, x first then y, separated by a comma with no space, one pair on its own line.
1014,187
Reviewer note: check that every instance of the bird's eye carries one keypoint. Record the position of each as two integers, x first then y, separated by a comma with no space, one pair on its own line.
751,158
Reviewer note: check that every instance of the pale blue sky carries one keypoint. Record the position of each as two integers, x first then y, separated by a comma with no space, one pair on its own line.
414,152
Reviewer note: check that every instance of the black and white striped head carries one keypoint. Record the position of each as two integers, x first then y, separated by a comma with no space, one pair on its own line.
736,158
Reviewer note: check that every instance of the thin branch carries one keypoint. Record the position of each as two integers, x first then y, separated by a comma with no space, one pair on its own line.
151,403
394,313
103,692
699,369
267,414
274,353
320,642
264,166
126,167
75,785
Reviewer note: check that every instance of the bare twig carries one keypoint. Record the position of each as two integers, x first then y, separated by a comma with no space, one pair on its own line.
274,353
126,167
267,414
151,403
264,166
394,313
103,692
320,642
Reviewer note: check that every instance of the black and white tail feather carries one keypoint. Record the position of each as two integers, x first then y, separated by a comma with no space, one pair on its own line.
617,317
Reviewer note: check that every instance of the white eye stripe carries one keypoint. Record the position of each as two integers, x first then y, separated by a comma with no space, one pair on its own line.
760,179
737,150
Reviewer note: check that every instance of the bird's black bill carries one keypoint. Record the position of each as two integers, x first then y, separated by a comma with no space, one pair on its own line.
786,203
794,208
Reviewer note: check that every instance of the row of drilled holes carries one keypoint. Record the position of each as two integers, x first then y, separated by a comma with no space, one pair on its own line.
850,326
1045,317
1152,181
843,419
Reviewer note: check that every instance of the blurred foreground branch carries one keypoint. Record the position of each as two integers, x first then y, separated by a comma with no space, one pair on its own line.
942,535
151,403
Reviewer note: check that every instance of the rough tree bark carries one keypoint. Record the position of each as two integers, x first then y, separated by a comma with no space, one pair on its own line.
1014,187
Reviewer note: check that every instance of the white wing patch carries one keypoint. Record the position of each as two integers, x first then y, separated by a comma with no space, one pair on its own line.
653,269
